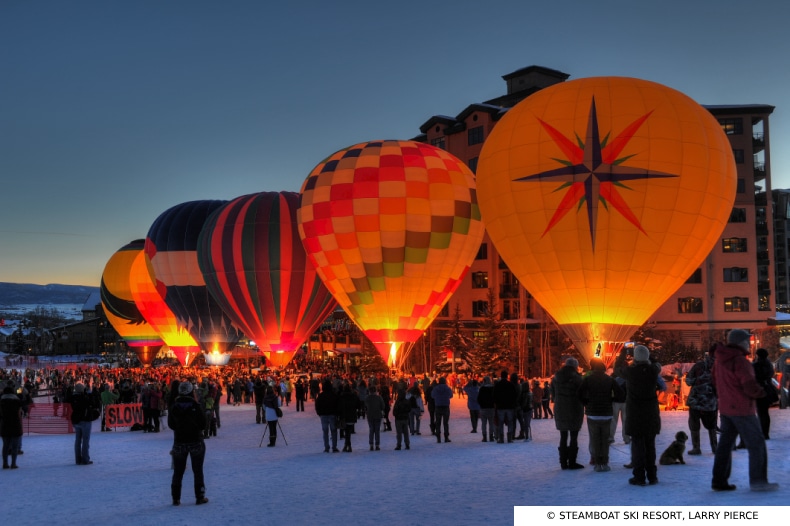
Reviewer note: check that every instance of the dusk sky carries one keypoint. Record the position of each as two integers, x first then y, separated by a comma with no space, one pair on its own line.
113,111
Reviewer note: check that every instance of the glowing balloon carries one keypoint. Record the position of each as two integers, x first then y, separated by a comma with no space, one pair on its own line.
603,195
151,303
392,228
255,266
171,245
119,306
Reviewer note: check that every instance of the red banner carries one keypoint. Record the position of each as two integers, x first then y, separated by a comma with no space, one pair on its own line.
123,415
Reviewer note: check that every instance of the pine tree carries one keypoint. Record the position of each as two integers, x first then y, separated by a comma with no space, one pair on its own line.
491,351
456,341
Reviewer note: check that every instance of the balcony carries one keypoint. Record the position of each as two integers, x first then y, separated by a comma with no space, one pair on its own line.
759,171
508,290
758,142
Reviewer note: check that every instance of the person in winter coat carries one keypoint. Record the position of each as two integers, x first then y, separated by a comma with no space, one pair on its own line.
10,425
326,406
374,409
187,419
301,394
545,401
271,402
348,407
259,392
702,402
643,419
414,395
505,398
81,403
597,392
441,394
485,398
737,389
400,413
472,389
568,412
537,396
764,374
524,410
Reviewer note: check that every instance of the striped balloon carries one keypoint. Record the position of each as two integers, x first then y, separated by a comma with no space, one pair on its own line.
256,268
172,247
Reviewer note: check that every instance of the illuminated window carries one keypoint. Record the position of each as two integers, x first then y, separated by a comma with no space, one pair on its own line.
736,274
733,244
736,304
689,305
732,126
479,280
475,135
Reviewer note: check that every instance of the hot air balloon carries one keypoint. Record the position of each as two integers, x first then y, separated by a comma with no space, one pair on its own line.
152,306
392,228
603,195
171,245
117,281
255,266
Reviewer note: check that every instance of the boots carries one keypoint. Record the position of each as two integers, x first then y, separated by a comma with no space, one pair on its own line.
175,492
695,450
447,438
347,446
563,457
272,440
572,464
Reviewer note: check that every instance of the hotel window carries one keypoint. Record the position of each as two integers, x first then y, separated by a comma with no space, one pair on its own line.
479,280
482,252
696,277
738,154
439,142
689,305
740,187
738,215
732,126
472,164
733,244
736,304
735,274
475,135
479,308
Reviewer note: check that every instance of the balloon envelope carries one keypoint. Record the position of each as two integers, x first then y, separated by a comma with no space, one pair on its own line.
256,268
392,228
151,303
171,245
119,277
603,195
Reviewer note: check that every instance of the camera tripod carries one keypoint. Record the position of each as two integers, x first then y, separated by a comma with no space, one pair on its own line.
266,430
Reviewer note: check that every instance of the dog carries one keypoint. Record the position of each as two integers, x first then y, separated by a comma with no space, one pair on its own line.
674,453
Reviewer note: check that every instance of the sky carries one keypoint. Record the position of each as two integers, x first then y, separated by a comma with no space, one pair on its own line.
111,112
464,482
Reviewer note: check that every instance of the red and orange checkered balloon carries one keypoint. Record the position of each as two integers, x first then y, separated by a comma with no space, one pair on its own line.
392,228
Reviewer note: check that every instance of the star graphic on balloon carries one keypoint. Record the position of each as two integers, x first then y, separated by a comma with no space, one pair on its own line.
593,172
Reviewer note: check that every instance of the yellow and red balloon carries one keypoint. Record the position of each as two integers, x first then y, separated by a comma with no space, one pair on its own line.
603,195
392,228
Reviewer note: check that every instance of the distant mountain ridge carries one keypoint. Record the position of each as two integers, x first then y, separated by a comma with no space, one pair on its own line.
55,294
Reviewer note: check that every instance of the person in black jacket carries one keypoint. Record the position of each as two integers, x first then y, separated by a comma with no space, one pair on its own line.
485,398
348,405
764,373
326,408
81,403
505,398
187,420
642,416
597,392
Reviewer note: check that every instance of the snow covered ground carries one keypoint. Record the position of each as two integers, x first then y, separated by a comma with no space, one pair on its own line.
463,482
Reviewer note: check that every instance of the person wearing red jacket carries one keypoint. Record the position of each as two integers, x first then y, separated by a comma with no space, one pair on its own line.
737,389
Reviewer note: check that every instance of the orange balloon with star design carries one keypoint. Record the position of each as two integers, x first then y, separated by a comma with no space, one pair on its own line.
603,195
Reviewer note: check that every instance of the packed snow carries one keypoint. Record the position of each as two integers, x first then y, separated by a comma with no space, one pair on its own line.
462,482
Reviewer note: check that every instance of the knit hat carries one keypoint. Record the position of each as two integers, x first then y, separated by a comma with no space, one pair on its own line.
185,388
79,388
641,354
739,338
572,362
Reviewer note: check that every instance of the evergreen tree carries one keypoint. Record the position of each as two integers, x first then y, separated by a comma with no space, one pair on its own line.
456,340
491,351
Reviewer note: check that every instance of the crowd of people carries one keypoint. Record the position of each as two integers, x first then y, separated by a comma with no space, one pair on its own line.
728,396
